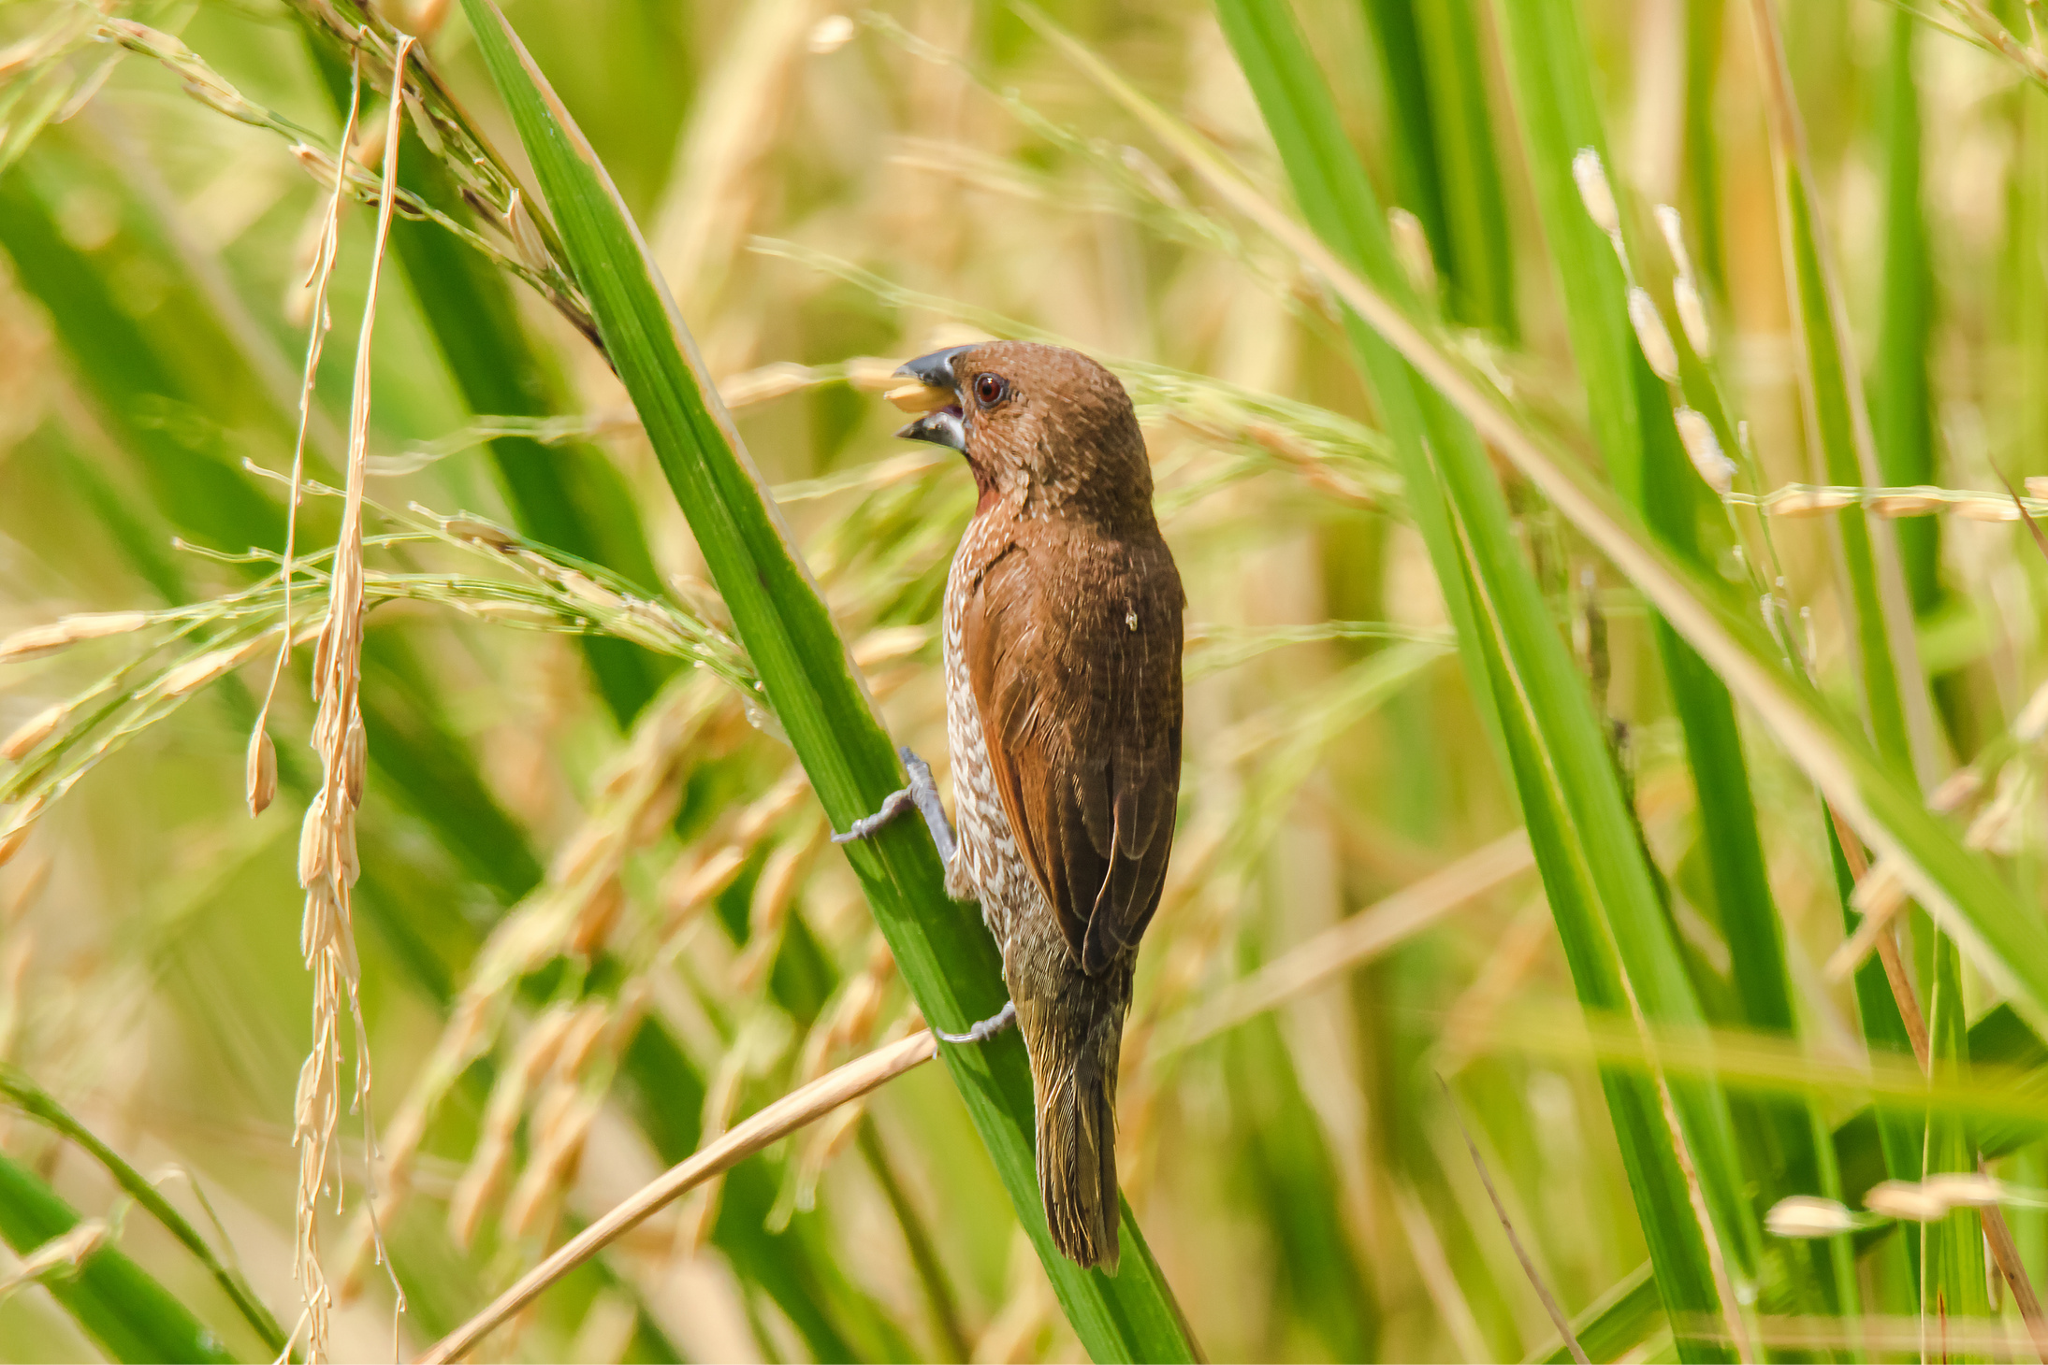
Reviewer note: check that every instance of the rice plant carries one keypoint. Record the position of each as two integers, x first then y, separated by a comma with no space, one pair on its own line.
446,492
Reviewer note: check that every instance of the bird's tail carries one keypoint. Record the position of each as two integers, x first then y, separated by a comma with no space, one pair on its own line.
1073,1073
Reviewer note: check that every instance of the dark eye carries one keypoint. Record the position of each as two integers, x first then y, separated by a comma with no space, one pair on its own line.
990,389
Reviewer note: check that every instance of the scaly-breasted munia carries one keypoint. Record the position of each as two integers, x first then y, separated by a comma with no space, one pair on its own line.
1062,646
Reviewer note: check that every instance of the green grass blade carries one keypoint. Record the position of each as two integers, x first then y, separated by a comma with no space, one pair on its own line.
1838,431
24,1094
1615,1323
946,957
1952,1261
1901,400
1901,1129
1439,131
1412,146
1482,277
1703,25
1605,903
118,1303
1551,73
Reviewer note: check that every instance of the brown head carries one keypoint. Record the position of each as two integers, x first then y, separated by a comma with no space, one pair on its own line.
1042,426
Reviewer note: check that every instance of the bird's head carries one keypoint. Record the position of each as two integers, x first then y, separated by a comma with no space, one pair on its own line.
1041,422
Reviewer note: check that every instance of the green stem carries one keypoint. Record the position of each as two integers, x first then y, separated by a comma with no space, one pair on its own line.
24,1094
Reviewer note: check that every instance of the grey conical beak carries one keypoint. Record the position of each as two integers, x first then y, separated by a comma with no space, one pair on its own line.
935,369
943,427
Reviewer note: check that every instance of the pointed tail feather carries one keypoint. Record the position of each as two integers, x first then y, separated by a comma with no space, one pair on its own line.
1076,1090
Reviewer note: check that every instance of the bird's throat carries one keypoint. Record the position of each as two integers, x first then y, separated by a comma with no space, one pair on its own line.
984,486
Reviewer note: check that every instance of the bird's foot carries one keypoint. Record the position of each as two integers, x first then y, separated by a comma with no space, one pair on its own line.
923,793
986,1029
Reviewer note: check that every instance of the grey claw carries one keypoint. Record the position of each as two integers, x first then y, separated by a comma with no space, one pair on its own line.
892,806
922,793
986,1029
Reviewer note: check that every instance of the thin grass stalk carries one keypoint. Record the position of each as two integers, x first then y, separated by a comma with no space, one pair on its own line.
21,1091
118,1304
1952,1275
1838,430
1633,418
1535,1277
262,764
787,1115
1583,839
1615,1323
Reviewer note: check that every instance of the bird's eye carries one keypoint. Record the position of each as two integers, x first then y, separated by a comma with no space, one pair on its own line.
990,389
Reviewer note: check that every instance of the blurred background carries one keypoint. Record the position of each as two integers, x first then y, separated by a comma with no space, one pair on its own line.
830,192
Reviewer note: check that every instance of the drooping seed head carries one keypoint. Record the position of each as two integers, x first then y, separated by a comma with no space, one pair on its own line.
1594,191
1804,1216
1692,317
1703,448
1651,335
1411,248
33,731
260,776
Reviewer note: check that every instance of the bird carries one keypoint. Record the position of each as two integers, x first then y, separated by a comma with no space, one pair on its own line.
1061,643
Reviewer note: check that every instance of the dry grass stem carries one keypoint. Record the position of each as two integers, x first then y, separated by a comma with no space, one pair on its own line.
2005,1254
1550,1303
36,641
61,1256
778,1120
1358,939
1989,1337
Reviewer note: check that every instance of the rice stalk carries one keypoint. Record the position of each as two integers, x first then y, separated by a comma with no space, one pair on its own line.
261,765
794,1111
327,844
528,257
563,918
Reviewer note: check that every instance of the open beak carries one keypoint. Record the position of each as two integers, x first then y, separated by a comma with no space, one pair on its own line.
936,393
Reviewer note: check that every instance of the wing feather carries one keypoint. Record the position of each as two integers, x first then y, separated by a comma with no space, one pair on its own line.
1082,720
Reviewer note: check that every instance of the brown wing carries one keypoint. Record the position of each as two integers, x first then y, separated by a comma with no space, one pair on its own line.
1073,651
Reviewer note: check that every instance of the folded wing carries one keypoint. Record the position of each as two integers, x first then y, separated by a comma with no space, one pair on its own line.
1075,662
